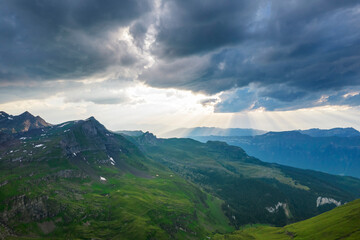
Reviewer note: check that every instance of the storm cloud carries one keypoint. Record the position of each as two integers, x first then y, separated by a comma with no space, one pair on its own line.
295,50
49,39
276,55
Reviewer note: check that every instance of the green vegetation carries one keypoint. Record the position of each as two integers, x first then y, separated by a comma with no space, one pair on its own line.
339,223
248,186
52,189
80,181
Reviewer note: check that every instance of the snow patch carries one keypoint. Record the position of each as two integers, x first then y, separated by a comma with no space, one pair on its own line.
66,130
275,208
63,125
324,200
22,138
39,145
102,178
112,161
10,118
74,154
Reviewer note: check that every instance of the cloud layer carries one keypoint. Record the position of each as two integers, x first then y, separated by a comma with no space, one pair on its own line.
274,55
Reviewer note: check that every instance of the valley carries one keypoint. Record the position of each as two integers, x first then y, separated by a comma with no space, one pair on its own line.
78,180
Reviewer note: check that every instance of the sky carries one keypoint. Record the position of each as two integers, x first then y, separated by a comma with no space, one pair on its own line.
162,64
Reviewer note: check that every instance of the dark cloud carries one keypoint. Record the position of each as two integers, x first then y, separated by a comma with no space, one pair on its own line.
209,101
263,53
296,51
252,98
50,39
189,27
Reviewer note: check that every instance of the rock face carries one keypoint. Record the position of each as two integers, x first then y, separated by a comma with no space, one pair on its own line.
31,209
324,200
21,123
148,138
87,135
5,139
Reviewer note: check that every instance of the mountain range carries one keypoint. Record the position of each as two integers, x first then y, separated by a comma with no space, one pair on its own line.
331,154
20,123
236,132
206,131
78,180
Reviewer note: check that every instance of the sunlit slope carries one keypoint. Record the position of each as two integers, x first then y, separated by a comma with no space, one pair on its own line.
253,191
79,181
340,223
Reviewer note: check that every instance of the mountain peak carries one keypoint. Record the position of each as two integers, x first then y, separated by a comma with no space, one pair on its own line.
92,119
21,123
3,114
28,116
148,138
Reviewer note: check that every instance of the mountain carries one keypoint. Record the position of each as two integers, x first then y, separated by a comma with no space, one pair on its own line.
253,191
134,133
240,132
335,155
77,180
334,132
20,123
206,131
339,223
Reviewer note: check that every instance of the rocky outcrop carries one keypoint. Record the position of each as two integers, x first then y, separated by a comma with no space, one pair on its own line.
324,200
29,209
21,123
148,139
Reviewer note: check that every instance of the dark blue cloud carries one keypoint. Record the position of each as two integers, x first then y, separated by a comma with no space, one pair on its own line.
296,51
263,53
50,39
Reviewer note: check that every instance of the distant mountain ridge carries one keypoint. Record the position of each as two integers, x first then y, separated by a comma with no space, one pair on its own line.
20,123
133,133
206,131
331,154
213,131
334,132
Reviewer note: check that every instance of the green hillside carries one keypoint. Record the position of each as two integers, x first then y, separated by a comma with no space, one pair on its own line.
79,181
254,192
340,223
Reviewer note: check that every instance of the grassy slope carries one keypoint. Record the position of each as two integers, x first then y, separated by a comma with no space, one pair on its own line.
248,185
126,206
339,223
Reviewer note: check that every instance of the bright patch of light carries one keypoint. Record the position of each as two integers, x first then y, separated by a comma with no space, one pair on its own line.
162,110
351,94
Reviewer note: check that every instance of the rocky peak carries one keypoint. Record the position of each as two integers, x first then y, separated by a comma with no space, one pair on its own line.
92,127
148,138
21,123
26,114
3,114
